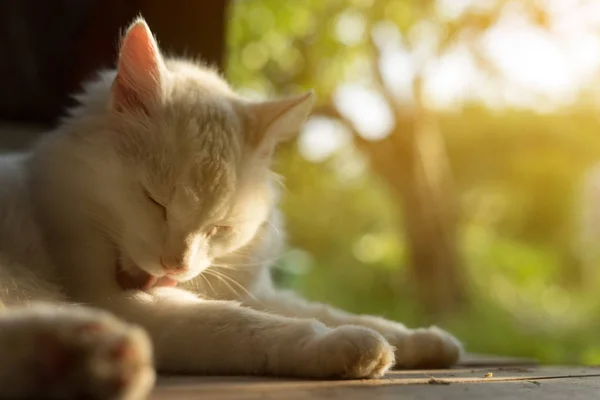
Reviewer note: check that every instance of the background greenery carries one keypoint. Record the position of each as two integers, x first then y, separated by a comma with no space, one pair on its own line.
518,172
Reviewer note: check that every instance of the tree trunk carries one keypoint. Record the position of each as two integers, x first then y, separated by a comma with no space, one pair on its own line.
413,162
430,222
430,212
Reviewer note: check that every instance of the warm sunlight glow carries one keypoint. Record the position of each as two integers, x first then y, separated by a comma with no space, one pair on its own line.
539,69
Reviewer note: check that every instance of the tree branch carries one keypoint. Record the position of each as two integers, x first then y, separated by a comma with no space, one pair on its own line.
381,153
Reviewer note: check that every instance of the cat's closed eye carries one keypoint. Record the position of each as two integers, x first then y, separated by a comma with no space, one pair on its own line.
152,200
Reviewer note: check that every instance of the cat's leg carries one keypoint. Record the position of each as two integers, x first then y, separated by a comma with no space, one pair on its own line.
415,348
191,335
55,351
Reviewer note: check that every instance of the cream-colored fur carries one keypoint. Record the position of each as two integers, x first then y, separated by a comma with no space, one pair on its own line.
162,173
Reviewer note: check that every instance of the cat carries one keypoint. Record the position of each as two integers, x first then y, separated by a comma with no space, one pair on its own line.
138,235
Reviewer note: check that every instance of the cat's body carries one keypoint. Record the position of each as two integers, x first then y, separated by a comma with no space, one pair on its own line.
26,272
161,173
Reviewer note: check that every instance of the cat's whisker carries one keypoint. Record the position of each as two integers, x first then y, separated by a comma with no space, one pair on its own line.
270,223
221,279
235,268
193,284
208,283
232,280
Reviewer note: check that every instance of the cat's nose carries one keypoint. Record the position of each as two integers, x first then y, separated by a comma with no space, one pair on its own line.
173,267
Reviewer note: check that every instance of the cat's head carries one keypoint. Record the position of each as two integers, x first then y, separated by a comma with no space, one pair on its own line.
183,171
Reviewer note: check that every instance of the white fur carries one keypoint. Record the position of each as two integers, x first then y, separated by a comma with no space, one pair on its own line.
75,206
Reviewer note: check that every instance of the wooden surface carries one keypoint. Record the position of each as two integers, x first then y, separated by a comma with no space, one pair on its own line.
478,377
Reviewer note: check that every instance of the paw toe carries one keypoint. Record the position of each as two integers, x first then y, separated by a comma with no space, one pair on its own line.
101,358
357,352
428,348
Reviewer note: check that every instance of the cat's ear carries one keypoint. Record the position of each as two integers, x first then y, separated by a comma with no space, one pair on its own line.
279,120
138,83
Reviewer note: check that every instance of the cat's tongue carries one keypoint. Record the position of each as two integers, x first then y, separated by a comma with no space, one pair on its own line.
165,281
140,280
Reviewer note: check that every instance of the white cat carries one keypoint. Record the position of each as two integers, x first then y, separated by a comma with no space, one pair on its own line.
160,178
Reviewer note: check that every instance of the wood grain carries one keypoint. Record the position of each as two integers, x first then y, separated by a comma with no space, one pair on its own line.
478,377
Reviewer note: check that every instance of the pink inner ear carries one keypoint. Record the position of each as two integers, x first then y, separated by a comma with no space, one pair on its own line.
137,83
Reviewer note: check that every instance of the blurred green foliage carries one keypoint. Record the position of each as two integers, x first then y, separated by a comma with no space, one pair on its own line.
518,172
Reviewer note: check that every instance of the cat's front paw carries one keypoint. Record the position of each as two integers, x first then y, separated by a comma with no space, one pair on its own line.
79,353
103,359
352,352
425,348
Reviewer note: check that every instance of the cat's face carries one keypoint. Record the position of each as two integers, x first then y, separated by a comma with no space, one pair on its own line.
189,161
197,191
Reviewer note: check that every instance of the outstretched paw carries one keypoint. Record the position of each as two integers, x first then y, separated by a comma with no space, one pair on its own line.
427,348
81,353
353,352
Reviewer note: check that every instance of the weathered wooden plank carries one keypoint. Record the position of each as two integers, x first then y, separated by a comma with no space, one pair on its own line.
461,383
